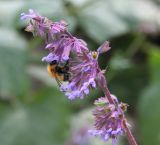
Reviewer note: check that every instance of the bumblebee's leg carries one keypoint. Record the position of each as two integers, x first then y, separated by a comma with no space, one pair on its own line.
66,68
66,76
58,81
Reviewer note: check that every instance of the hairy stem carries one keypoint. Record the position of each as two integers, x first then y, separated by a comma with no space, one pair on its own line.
130,136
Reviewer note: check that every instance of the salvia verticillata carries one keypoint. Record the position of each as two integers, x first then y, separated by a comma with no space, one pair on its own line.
85,74
108,119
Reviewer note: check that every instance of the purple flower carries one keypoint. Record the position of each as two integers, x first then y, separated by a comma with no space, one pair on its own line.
85,71
108,119
42,26
62,46
58,27
38,25
83,76
59,49
30,15
59,41
79,46
104,47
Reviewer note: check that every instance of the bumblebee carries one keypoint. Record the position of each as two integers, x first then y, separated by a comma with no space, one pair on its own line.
59,71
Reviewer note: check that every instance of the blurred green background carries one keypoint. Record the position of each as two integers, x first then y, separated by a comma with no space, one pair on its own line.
34,112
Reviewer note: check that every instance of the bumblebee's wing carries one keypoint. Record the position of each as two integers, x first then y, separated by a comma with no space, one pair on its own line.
58,81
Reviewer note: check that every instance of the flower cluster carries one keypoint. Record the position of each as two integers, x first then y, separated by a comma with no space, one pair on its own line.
108,119
84,74
83,67
59,41
82,78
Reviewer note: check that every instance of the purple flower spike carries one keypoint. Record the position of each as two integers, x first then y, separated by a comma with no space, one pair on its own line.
38,25
59,41
83,77
79,66
108,120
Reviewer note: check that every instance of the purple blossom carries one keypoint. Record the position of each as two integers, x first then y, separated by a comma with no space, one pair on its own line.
42,26
38,25
79,46
59,49
85,71
58,27
62,46
108,119
104,47
83,76
59,41
30,15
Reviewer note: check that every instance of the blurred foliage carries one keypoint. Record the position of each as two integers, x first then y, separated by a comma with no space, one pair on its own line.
149,103
33,111
37,121
13,60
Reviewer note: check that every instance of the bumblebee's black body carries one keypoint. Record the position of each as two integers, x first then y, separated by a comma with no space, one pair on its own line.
63,71
59,71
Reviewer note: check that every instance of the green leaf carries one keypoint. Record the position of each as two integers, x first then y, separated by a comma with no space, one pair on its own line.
13,60
9,11
49,8
10,39
119,62
154,61
105,19
149,104
149,115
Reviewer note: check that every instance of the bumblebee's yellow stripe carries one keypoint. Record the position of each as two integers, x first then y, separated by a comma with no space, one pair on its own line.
50,70
53,73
